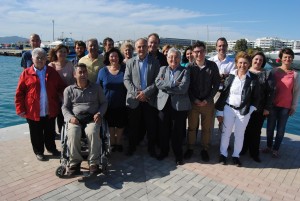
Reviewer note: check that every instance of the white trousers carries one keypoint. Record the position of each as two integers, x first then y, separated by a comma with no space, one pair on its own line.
233,118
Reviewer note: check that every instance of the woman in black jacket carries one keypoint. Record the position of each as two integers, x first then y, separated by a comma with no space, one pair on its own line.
238,99
253,130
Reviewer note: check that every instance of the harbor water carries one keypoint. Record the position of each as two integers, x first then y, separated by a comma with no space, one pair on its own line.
9,77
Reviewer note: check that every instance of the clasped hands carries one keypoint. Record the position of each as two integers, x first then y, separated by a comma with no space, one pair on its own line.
97,119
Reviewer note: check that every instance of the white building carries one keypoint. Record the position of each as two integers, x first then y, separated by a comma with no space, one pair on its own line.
268,42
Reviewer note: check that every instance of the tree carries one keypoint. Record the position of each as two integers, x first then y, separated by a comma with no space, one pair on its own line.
241,45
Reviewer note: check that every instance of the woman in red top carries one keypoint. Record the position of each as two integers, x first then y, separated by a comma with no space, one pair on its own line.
37,99
285,100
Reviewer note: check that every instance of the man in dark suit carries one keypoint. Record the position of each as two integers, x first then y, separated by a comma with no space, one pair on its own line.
139,79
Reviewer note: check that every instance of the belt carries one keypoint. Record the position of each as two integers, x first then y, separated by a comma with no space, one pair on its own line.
234,107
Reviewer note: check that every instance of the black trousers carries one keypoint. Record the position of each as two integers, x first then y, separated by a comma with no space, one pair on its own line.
252,134
42,133
172,125
145,115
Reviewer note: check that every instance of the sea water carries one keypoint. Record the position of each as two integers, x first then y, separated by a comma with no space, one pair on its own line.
9,76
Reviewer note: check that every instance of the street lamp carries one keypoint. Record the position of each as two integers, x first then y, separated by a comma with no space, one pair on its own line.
53,29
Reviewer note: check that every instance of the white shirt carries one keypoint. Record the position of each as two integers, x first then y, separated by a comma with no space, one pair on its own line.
225,66
235,93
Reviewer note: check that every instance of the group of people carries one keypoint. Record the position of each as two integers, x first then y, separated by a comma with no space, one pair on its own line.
152,94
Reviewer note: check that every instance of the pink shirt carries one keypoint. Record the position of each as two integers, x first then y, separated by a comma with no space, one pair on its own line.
66,73
284,89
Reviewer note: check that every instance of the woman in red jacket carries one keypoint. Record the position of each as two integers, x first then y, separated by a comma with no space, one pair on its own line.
37,99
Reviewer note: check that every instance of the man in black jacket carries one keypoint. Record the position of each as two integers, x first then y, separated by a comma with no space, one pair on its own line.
205,81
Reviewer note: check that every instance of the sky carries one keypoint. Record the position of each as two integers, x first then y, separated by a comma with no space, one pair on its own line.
132,19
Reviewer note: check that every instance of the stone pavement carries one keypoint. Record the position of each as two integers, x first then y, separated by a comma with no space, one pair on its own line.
140,177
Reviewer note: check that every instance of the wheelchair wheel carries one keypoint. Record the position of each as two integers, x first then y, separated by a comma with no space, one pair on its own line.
60,171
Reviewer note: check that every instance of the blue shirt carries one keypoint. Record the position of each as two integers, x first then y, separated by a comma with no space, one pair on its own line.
172,72
26,60
143,64
113,87
43,93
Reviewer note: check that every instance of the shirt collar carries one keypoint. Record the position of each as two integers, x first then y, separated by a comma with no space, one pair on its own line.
43,69
234,72
143,60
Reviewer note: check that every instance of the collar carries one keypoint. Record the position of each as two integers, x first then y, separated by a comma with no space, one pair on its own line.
234,72
145,59
77,87
42,70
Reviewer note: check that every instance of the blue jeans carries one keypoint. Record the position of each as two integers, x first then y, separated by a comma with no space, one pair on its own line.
279,116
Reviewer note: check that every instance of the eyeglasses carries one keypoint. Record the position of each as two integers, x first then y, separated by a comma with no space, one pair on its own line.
40,58
199,51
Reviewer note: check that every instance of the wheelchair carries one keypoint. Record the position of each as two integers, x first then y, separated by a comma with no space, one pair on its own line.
104,155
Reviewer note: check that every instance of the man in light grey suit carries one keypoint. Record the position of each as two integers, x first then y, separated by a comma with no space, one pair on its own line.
139,79
173,104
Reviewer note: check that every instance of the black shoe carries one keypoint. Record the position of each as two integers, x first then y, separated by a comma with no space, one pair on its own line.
40,157
188,154
256,159
119,148
204,155
243,152
162,156
74,170
179,162
129,152
152,154
113,148
223,160
55,152
236,161
94,169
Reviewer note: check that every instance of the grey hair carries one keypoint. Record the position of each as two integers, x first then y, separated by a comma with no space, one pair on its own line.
174,50
92,40
142,39
36,51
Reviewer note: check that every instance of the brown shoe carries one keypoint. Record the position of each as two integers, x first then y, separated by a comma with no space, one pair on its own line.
94,169
74,170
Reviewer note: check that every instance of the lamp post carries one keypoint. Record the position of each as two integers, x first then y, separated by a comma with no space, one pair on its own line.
53,29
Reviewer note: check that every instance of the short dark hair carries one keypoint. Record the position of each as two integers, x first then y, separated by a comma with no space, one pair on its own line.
263,56
155,35
199,44
222,39
107,39
106,56
80,43
80,65
288,51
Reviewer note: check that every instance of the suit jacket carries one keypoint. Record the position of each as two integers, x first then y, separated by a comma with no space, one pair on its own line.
179,93
132,81
250,93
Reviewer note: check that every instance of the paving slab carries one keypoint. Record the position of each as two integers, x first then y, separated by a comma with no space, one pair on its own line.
140,177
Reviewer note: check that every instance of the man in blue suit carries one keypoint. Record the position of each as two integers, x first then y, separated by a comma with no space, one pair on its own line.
139,80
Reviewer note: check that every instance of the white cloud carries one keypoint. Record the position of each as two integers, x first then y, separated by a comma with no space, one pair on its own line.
83,19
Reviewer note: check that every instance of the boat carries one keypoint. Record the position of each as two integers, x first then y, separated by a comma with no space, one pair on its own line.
273,58
69,42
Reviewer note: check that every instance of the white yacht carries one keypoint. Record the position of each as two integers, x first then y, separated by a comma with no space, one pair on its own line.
273,58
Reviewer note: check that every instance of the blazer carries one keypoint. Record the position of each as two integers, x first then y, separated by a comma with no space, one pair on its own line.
132,81
250,93
179,93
